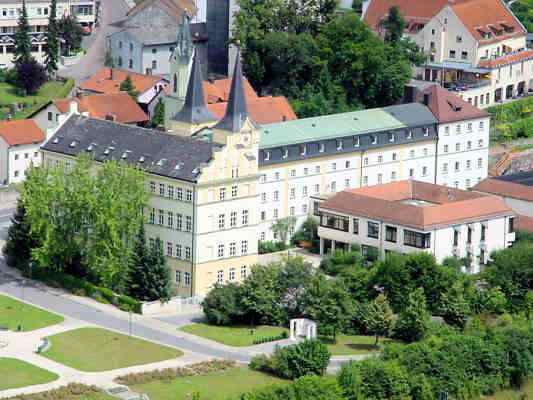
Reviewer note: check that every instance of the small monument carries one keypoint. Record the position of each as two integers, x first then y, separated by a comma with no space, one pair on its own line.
302,327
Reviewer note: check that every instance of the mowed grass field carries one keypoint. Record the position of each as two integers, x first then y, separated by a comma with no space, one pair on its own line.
14,313
16,374
233,335
95,349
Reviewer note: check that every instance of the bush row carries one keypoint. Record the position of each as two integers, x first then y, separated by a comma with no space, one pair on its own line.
80,287
167,374
283,335
269,246
72,391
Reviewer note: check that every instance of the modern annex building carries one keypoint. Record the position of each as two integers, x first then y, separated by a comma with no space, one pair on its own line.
217,185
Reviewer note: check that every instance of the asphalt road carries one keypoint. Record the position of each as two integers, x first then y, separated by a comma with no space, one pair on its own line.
110,11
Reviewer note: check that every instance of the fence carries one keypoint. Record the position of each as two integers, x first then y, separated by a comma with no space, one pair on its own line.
174,305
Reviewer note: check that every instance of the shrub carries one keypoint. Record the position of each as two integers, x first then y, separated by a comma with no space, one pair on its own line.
222,305
72,391
305,388
413,322
310,357
127,303
265,247
30,76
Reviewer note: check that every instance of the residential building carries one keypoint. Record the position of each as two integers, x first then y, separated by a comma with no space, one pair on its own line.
247,176
107,80
517,191
19,149
38,14
412,216
147,36
475,48
119,107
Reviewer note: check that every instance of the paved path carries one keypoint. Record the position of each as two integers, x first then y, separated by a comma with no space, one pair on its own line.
110,11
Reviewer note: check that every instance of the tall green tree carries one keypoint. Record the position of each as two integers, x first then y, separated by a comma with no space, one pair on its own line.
19,241
282,228
22,52
127,86
52,40
86,221
158,284
454,307
379,317
159,114
413,321
138,266
394,25
71,32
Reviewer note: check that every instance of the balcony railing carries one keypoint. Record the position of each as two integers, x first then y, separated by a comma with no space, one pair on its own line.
463,85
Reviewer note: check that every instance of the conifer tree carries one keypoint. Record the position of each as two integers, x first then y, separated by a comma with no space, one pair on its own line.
22,38
157,284
127,86
19,242
52,40
138,266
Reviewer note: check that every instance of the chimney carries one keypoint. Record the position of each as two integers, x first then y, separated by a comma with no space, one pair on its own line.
111,73
110,117
73,107
427,99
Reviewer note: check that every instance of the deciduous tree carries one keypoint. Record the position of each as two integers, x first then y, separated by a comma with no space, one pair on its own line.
379,317
413,322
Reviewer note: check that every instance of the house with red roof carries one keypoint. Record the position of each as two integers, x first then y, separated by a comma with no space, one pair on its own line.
20,141
475,48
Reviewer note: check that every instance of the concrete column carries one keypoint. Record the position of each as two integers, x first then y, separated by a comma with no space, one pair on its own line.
321,246
4,50
332,245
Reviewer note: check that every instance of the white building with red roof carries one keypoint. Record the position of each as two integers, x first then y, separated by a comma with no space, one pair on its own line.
475,48
20,141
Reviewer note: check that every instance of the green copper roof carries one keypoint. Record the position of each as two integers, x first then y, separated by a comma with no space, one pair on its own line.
345,124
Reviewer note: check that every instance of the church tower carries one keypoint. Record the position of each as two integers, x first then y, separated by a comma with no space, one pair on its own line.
180,63
194,115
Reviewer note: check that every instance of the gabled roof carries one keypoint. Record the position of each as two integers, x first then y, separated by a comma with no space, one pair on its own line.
513,58
263,110
101,81
18,132
488,16
119,105
412,10
154,151
173,7
419,205
511,186
217,91
448,107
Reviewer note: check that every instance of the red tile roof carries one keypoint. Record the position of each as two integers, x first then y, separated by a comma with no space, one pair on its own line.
24,131
412,10
216,91
448,107
263,110
487,15
119,105
505,189
442,206
175,7
507,59
101,82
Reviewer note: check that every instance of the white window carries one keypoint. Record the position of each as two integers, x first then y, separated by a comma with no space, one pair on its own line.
317,169
188,196
365,180
347,164
151,218
243,271
304,191
293,173
244,247
347,183
447,131
222,194
365,161
426,131
179,194
178,251
267,155
480,143
445,148
480,163
321,147
445,168
232,274
179,223
456,184
458,128
263,236
233,249
188,223
275,213
233,219
467,183
187,278
170,192
469,127
333,166
393,175
304,209
262,178
161,189
220,276
424,171
339,144
221,221
380,178
292,211
333,186
394,156
468,164
412,154
293,193
263,197
457,146
317,188
457,166
306,171
161,219
411,172
178,277
481,125
380,159
263,217
245,217
220,252
356,141
391,137
425,151
276,195
170,219
234,191
469,145
169,249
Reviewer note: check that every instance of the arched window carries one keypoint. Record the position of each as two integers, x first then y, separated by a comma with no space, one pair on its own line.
175,83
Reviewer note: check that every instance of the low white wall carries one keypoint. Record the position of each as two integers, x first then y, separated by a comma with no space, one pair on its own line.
173,306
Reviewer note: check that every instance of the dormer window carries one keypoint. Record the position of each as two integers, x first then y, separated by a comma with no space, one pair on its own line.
409,134
374,139
303,149
73,144
267,155
356,141
321,147
426,131
391,137
285,152
141,159
339,144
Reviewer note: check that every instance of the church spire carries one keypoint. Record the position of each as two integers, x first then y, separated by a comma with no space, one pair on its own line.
194,110
236,111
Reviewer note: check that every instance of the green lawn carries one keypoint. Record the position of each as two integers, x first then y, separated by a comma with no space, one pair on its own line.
13,313
50,90
95,349
17,374
217,386
233,335
354,344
